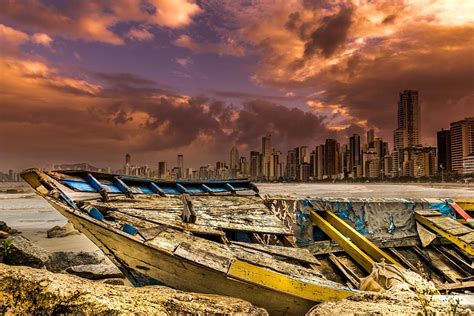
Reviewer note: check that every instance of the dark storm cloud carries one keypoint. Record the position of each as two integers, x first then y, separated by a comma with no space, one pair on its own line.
331,35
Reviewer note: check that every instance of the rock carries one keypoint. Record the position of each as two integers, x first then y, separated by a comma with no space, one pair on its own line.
115,281
4,235
96,271
4,227
58,231
388,303
61,260
24,252
21,293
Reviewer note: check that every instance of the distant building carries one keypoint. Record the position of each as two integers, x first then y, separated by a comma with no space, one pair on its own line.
234,159
355,154
320,161
255,164
292,164
163,170
266,163
243,167
180,167
468,164
418,161
462,142
330,158
408,130
444,150
370,138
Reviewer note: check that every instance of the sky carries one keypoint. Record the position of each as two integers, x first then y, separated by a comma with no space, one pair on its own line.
89,81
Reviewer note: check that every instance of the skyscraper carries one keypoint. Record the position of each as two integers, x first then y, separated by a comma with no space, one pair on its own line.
255,164
267,165
128,159
354,152
234,159
409,120
444,149
162,170
180,171
330,157
407,133
370,137
462,142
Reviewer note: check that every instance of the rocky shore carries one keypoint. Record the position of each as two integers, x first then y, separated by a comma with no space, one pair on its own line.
25,290
34,280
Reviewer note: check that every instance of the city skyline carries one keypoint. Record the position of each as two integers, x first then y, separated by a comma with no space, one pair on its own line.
93,80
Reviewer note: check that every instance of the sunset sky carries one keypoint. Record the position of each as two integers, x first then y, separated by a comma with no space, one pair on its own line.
88,81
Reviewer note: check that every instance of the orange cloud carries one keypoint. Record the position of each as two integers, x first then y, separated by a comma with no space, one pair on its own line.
224,48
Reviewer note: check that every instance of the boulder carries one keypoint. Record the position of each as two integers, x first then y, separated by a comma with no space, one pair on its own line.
4,235
116,281
24,252
61,260
5,228
25,290
96,271
58,231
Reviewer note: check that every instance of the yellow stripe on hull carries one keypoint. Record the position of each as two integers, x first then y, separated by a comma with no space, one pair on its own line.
257,275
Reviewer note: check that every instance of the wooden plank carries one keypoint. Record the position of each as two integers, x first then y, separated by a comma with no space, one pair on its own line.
358,239
404,260
299,254
455,240
458,259
468,238
451,261
433,267
350,277
459,210
318,292
456,286
267,260
355,252
428,212
205,258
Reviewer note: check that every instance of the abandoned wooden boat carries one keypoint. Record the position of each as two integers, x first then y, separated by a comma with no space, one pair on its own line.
210,237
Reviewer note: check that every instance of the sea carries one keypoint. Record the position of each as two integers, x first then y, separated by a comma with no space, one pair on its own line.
25,210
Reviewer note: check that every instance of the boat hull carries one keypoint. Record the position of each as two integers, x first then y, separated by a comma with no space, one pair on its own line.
132,256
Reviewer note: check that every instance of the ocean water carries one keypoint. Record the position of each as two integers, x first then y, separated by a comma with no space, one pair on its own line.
27,210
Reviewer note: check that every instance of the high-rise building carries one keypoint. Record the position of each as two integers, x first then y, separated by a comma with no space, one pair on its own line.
128,159
292,164
163,170
331,158
418,161
444,150
180,170
244,166
266,156
255,166
408,129
320,161
462,142
234,159
370,137
355,154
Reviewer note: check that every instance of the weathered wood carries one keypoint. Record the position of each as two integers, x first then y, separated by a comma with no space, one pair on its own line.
188,215
429,261
292,253
403,259
456,286
350,277
458,259
452,262
429,212
266,260
201,256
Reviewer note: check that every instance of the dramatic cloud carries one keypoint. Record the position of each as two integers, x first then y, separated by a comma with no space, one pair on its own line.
303,70
96,20
141,35
225,48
